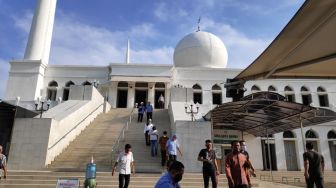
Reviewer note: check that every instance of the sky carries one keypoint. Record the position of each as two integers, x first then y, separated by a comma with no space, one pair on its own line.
95,32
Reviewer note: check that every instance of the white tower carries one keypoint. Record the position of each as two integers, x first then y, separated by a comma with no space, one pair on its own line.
128,52
26,76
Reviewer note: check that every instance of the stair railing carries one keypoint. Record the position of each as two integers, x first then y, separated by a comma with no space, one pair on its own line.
116,145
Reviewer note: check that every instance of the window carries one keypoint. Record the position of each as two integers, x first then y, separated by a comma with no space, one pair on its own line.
52,90
216,94
66,90
197,94
288,134
331,135
323,97
311,134
255,88
306,96
271,88
289,94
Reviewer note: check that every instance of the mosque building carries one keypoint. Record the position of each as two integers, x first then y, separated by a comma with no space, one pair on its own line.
196,76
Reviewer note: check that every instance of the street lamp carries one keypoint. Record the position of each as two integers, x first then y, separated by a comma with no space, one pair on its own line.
42,101
190,110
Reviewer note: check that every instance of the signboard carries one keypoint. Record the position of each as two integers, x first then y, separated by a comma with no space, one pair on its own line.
221,136
67,183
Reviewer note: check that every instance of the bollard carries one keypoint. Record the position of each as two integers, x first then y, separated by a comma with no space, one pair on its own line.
90,175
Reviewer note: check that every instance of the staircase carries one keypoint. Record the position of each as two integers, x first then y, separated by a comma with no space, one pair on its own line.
144,162
96,140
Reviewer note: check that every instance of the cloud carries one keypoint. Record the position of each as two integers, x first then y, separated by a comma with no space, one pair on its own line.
242,50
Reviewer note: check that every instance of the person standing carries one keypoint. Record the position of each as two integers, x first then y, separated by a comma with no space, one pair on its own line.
210,168
147,129
3,162
243,150
141,110
172,177
161,101
149,111
236,168
172,147
126,165
163,141
153,135
313,167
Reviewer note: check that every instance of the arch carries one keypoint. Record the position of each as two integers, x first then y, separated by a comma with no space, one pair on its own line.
216,88
311,134
322,96
255,88
53,84
288,88
331,134
69,83
321,89
304,89
141,84
197,94
86,83
271,88
122,84
160,85
288,134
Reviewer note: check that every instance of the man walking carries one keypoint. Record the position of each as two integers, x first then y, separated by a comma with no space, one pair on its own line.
153,135
147,129
172,177
125,162
235,168
210,168
149,111
313,167
141,110
163,141
243,150
172,147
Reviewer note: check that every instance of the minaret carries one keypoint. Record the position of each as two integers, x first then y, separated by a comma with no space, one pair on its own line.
39,42
128,52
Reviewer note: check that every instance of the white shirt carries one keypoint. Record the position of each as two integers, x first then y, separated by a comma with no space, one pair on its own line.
153,135
148,128
3,159
172,147
124,162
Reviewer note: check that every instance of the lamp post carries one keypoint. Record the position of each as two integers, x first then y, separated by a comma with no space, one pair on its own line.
42,103
190,110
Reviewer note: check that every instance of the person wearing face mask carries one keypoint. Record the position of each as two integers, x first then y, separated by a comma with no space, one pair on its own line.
236,168
172,177
210,168
243,150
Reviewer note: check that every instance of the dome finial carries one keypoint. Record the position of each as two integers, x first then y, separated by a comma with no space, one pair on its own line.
198,27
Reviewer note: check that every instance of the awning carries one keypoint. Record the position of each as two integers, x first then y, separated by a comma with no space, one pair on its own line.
305,48
258,111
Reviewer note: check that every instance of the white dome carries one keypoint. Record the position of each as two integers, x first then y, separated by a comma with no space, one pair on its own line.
200,49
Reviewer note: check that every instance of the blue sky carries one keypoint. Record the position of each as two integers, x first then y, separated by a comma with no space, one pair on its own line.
95,32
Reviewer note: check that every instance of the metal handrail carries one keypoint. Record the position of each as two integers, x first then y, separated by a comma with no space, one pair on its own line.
115,147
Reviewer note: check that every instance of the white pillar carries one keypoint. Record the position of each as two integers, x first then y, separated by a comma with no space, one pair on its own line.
151,93
131,94
112,94
167,94
38,46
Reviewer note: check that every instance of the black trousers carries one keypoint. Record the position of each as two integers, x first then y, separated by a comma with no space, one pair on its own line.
140,116
163,157
317,181
149,116
241,186
207,174
124,180
172,157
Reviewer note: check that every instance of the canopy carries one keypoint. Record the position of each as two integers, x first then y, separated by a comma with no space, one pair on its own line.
267,110
305,48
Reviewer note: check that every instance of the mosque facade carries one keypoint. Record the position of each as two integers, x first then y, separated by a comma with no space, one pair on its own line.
195,77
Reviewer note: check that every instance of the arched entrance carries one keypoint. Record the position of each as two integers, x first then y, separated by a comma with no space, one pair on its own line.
290,151
122,95
332,148
312,137
159,90
141,92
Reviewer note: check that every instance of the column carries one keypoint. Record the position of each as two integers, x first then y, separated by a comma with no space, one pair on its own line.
112,94
167,94
151,92
130,94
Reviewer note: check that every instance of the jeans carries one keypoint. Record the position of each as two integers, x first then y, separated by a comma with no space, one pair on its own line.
124,180
154,148
209,174
140,116
318,182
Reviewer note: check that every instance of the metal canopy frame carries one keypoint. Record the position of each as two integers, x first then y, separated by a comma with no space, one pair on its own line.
267,110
